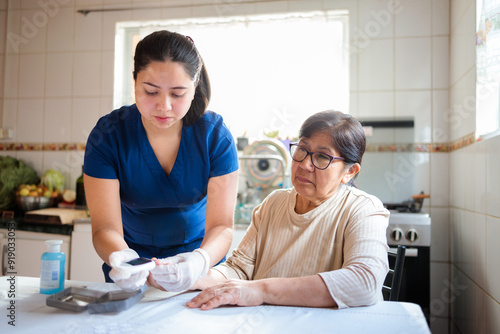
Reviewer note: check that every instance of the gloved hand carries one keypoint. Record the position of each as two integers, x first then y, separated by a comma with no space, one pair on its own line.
124,278
180,272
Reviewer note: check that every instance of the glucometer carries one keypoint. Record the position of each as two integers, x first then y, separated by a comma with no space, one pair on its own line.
136,265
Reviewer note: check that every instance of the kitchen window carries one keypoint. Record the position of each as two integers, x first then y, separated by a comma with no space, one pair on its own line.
488,68
268,73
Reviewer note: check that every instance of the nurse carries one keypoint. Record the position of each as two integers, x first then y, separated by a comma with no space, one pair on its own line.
161,174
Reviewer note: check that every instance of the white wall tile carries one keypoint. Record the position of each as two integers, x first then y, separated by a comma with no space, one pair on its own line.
463,107
411,175
11,75
106,106
439,325
34,31
379,104
3,37
85,3
480,256
271,7
466,55
59,77
10,115
57,121
32,75
468,166
440,62
413,63
107,72
462,296
114,2
479,309
85,115
353,71
15,38
147,14
301,6
376,66
88,32
440,112
353,104
492,258
440,277
440,234
480,177
60,31
493,177
33,159
376,176
376,19
440,179
492,316
29,120
110,19
29,4
87,74
413,18
418,105
179,12
440,17
457,10
457,175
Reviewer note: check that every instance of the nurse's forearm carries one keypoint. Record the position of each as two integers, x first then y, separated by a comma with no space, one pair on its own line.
216,242
107,241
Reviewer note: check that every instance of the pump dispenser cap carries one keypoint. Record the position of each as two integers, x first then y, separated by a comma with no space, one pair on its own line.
53,246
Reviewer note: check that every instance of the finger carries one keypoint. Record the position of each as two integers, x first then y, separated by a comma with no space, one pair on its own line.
154,284
168,260
117,275
203,297
225,298
165,269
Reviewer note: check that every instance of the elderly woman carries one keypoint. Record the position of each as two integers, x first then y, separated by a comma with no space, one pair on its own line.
321,243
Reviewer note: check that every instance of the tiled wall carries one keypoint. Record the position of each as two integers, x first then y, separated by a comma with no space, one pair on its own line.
475,195
61,80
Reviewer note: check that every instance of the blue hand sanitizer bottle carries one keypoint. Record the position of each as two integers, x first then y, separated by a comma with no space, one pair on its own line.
52,268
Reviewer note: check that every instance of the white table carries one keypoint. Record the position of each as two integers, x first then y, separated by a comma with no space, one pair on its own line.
162,312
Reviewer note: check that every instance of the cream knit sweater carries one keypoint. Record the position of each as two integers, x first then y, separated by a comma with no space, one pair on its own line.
343,240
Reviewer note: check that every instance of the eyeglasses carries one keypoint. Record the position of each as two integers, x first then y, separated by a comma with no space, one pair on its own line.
318,159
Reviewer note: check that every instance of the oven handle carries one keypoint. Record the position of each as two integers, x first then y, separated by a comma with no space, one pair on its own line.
410,252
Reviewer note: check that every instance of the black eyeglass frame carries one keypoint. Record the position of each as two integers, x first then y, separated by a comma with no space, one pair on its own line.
311,154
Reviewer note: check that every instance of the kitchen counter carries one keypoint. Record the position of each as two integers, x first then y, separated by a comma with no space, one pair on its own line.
18,224
162,312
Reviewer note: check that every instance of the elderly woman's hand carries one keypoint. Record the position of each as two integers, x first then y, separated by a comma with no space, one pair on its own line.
232,292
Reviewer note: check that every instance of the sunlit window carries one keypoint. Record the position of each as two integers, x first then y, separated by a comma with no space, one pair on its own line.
488,67
268,73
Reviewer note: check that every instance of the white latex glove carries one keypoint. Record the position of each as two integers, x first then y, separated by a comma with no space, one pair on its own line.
124,278
180,272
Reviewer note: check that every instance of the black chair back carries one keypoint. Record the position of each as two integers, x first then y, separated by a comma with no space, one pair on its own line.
392,282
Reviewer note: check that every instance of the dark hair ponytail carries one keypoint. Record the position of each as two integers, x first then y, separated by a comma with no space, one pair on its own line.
164,45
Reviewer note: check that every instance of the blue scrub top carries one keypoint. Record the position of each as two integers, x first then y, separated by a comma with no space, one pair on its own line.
162,214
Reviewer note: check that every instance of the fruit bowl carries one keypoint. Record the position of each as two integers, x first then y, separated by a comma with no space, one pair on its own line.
29,203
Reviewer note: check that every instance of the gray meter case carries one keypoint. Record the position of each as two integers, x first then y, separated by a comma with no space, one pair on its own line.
81,299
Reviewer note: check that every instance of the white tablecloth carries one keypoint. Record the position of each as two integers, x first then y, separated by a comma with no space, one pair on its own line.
161,312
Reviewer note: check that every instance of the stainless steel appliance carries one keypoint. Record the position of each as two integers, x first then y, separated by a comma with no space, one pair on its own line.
413,230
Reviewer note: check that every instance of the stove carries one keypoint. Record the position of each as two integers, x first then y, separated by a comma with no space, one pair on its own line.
413,230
